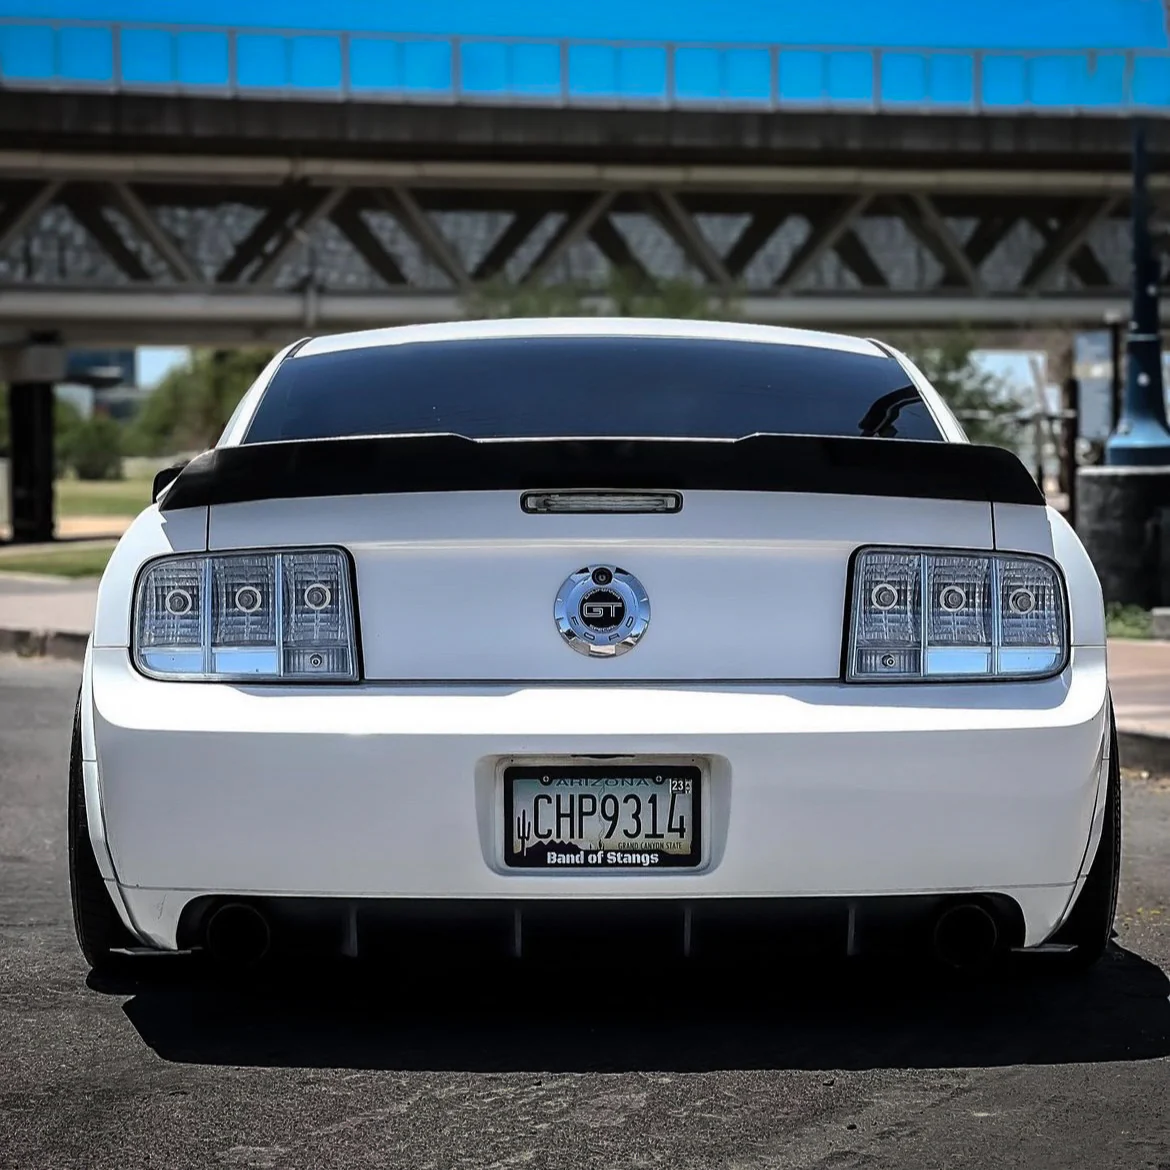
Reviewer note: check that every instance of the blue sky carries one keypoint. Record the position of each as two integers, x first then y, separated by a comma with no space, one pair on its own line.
154,362
1086,24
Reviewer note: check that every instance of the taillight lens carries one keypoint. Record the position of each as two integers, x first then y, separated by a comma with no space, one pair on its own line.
928,616
257,616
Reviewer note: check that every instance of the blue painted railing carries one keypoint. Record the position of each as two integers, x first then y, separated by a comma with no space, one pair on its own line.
237,62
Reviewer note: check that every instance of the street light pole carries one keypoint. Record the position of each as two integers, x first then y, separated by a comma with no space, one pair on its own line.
1114,323
1141,437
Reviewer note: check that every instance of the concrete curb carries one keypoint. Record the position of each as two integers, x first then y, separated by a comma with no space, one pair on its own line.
43,644
8,577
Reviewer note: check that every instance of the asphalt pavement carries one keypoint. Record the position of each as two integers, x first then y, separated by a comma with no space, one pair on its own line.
29,602
602,1063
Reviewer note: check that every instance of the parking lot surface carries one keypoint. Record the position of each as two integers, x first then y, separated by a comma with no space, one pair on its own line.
598,1063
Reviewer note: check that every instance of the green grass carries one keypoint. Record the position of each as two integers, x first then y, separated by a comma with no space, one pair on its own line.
115,497
1127,621
59,562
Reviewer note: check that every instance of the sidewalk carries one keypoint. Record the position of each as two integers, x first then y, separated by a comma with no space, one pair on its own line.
33,607
46,603
1139,675
77,528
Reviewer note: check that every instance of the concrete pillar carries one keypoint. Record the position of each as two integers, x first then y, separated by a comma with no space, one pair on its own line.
31,370
1123,518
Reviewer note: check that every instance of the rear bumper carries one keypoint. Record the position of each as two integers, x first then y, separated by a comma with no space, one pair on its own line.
393,792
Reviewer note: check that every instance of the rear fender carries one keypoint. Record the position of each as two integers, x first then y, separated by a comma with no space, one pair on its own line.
153,534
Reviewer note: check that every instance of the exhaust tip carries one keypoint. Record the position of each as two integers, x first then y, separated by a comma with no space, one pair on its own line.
238,934
966,936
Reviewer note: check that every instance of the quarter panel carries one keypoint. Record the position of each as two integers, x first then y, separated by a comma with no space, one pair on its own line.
152,534
85,705
1045,531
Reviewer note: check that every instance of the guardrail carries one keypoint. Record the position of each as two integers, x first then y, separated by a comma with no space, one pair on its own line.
371,66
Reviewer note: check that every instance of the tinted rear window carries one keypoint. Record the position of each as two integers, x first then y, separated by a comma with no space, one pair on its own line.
590,387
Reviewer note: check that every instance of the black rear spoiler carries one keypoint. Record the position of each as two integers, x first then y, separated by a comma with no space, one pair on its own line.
447,463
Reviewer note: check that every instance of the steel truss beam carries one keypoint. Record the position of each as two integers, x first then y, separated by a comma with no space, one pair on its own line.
616,249
22,210
214,318
350,222
294,230
668,209
216,170
989,233
825,231
757,247
124,198
756,233
262,235
853,253
1066,240
922,218
507,244
428,237
572,228
86,204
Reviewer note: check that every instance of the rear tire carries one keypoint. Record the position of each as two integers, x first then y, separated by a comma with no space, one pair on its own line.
99,929
1090,925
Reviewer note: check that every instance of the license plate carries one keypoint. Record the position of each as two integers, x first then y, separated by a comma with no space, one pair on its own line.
631,817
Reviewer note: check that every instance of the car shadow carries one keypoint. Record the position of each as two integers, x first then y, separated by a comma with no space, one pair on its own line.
602,1015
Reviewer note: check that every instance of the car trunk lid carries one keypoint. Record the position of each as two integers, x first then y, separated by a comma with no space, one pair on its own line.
461,585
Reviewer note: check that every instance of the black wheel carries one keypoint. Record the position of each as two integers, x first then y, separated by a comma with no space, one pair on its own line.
1090,925
99,929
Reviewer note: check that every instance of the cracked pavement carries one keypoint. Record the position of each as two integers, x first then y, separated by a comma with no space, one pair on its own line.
847,1067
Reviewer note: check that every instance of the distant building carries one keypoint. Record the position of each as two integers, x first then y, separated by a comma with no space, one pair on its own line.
117,365
101,381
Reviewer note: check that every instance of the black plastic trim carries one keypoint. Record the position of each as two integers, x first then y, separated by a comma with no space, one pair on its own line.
164,478
443,463
676,501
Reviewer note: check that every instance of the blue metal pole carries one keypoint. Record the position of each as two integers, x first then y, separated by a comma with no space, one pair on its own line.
1142,438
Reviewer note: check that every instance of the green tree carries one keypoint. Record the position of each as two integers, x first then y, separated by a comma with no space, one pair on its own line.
980,399
631,297
498,298
93,449
67,421
624,295
193,403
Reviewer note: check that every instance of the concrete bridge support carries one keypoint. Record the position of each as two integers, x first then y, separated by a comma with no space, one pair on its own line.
31,369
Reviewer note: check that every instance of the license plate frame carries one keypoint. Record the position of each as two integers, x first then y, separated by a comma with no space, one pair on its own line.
626,771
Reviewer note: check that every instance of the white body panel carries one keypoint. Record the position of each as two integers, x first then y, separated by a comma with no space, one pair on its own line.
747,585
815,789
387,789
153,534
391,787
1047,532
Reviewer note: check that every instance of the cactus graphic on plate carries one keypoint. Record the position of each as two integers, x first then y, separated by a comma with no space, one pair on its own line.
523,831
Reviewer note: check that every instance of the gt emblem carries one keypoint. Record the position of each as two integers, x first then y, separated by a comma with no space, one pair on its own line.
602,614
602,611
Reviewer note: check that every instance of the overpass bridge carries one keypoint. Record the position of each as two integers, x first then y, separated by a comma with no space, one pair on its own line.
221,185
